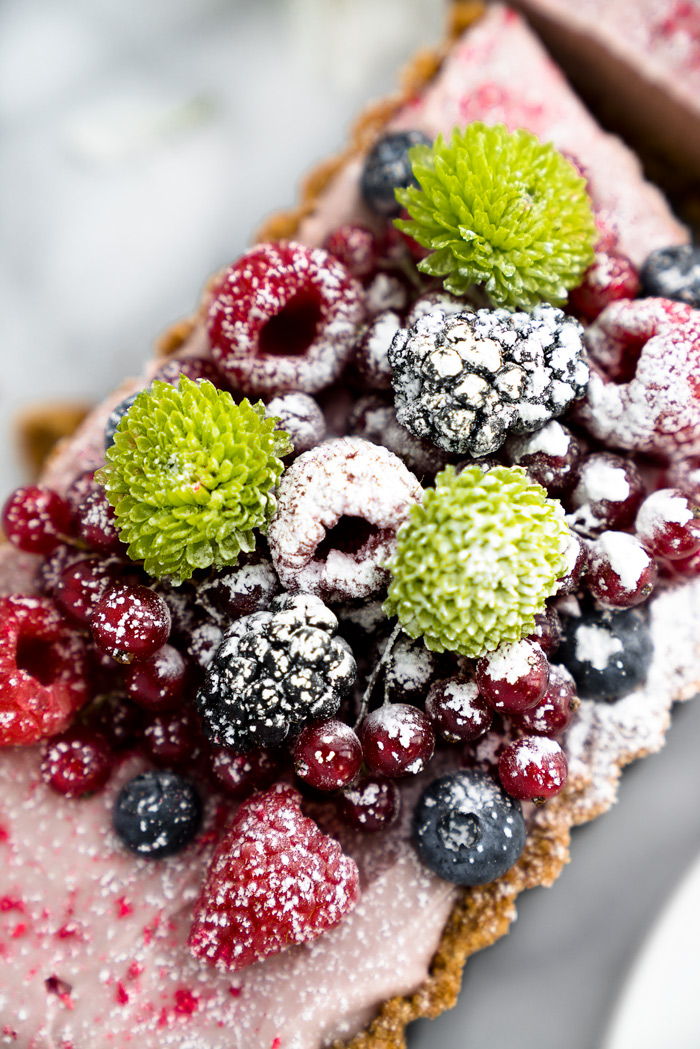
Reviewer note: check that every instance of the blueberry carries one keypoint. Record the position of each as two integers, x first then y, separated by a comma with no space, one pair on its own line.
467,830
116,417
387,168
608,653
673,273
157,813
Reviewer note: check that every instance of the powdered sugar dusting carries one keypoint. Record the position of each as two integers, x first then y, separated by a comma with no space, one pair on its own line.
626,556
513,661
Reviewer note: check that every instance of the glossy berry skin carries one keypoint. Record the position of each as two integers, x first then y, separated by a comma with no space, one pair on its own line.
116,417
514,677
457,710
555,711
356,247
327,755
668,524
397,740
35,519
388,167
621,573
533,768
157,683
608,494
97,525
241,774
76,763
578,560
673,273
171,738
130,623
82,585
467,830
608,653
157,814
371,804
547,632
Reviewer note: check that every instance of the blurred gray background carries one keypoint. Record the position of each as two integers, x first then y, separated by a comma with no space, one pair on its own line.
142,143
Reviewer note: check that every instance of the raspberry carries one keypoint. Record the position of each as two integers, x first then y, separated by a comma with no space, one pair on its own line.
356,247
275,880
612,276
339,509
284,317
43,671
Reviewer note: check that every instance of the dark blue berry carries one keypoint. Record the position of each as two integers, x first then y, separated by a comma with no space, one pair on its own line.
116,417
608,653
387,168
157,813
673,273
467,829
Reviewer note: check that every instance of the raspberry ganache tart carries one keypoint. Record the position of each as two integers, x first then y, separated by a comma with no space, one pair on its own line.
317,638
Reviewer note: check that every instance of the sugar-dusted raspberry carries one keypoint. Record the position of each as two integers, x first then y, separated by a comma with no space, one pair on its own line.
375,420
275,880
611,277
284,317
301,418
644,392
356,247
339,509
43,671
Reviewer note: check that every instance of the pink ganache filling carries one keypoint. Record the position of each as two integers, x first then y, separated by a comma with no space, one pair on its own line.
92,941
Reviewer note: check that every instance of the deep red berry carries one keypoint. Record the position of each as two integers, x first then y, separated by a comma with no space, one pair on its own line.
157,683
577,559
239,591
193,368
83,486
621,573
36,519
555,711
612,276
171,738
356,247
275,880
130,623
53,566
327,755
371,804
119,720
548,631
457,710
686,566
97,525
533,768
241,774
43,671
82,585
551,456
76,763
609,492
514,677
668,523
397,740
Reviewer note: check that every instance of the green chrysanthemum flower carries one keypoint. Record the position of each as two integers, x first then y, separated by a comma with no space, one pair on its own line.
503,210
476,561
190,475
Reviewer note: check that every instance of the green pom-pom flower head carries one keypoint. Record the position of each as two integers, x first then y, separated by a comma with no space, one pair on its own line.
190,475
477,559
503,210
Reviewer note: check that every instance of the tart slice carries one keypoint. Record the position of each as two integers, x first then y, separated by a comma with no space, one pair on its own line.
190,901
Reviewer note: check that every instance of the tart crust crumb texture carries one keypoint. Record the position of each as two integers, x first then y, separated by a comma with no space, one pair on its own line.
95,939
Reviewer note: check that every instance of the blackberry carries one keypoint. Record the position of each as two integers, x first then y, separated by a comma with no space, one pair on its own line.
387,168
673,273
467,830
116,417
464,381
273,672
157,813
608,653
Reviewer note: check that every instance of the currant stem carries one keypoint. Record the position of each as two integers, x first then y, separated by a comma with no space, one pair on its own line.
375,673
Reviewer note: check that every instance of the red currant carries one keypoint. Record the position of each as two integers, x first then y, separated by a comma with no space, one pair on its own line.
171,738
97,524
555,711
621,572
76,763
551,456
327,755
36,519
577,566
609,492
117,719
241,774
82,585
371,804
397,740
457,710
514,677
158,682
533,768
548,631
130,623
668,523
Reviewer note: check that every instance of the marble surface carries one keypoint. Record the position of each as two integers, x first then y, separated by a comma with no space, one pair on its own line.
142,144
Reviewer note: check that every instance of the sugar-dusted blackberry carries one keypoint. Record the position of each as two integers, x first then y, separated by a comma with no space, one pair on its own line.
387,167
608,653
274,672
467,830
467,380
673,273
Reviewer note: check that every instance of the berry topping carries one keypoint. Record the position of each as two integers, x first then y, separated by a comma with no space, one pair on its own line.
673,273
275,880
301,418
356,247
339,509
643,393
117,719
371,804
240,591
116,417
551,457
547,632
191,475
457,710
620,572
668,523
97,526
533,768
556,709
397,740
273,672
372,354
387,168
284,317
609,492
82,584
465,381
608,653
410,669
517,540
157,683
467,830
36,519
327,756
375,420
612,276
43,671
171,738
241,774
514,677
194,368
157,814
76,763
500,209
130,623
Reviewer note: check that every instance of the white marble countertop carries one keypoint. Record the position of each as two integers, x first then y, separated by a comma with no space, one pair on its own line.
142,144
